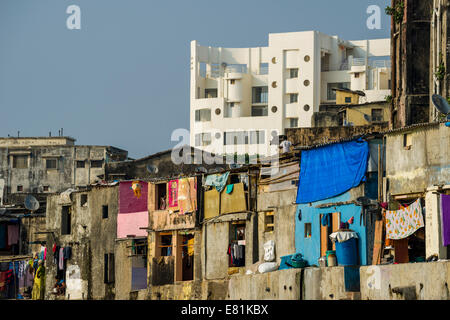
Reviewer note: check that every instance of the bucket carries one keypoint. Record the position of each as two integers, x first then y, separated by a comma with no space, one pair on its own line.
346,252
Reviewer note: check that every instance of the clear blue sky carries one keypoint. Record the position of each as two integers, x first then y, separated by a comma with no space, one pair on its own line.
123,79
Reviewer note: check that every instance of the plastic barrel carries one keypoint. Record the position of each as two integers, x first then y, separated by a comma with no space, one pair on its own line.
346,252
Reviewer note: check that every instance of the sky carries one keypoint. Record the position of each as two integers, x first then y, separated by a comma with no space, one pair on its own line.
123,78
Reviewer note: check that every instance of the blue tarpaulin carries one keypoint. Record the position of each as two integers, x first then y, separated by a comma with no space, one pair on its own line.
331,170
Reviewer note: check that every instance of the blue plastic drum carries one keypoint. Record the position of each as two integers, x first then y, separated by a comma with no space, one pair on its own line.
347,252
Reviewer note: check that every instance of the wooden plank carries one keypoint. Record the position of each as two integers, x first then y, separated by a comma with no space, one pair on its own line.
336,220
323,238
378,242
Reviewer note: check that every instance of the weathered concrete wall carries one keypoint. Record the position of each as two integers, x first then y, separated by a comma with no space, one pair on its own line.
123,269
90,238
36,175
425,164
407,281
276,285
332,283
191,290
311,136
284,216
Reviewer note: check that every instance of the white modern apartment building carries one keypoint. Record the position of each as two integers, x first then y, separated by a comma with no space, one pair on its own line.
242,97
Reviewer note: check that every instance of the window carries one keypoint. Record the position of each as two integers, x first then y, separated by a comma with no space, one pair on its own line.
19,188
187,257
203,115
407,141
80,164
264,68
96,163
269,221
293,122
65,220
293,73
356,74
259,111
83,200
232,81
51,163
108,270
45,188
165,244
257,137
308,233
237,244
377,114
203,139
210,93
260,94
293,97
104,212
161,192
20,162
331,94
234,138
332,225
348,99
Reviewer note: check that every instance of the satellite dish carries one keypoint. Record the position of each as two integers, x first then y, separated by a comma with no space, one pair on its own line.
201,169
440,103
31,203
367,117
2,211
224,65
152,168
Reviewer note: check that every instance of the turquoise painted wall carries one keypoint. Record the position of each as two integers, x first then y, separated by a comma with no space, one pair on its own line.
310,247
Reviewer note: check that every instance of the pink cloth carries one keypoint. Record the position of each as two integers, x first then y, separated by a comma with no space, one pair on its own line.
173,193
129,224
129,201
13,234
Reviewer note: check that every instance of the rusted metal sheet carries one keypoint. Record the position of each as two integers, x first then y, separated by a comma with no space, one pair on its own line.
211,204
235,201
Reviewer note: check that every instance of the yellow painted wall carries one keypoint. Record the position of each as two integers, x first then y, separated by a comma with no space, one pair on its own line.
355,114
341,95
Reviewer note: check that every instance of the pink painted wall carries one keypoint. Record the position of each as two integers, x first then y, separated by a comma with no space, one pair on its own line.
129,224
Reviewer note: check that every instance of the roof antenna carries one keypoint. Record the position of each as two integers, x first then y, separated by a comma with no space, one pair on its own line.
49,133
18,134
59,133
62,130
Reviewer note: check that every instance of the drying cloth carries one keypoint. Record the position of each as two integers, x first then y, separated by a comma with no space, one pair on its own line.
342,236
445,219
13,234
67,253
61,259
229,188
173,193
404,222
217,180
64,197
331,170
326,220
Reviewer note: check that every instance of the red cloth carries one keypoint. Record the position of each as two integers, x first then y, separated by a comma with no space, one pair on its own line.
54,248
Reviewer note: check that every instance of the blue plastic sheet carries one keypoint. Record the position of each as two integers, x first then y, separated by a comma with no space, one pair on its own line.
331,170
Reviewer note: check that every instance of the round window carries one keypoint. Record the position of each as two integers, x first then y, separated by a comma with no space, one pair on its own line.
306,83
274,84
274,60
217,111
306,107
307,58
274,109
217,135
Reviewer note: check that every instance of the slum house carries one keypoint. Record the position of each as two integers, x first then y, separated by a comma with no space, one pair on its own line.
418,174
365,114
174,237
229,222
416,212
38,167
81,232
170,227
338,186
